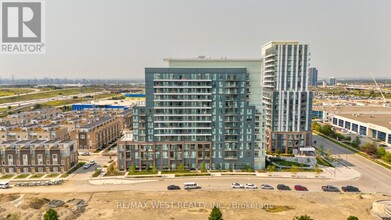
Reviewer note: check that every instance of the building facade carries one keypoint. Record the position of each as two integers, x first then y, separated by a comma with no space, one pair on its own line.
313,76
37,156
254,93
193,116
98,134
332,81
286,98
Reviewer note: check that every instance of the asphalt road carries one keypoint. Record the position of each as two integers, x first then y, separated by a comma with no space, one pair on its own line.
374,178
372,175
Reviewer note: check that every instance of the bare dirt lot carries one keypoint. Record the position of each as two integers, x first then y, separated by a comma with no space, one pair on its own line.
182,204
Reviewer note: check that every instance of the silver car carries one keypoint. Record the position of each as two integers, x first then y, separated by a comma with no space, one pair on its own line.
250,186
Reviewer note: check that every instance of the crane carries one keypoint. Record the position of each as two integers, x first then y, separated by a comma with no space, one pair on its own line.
378,87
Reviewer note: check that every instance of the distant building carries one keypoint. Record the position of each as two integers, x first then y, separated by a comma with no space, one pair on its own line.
313,77
332,81
37,156
286,97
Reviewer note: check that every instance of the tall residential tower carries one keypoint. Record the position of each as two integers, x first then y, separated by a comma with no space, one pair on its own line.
313,76
286,98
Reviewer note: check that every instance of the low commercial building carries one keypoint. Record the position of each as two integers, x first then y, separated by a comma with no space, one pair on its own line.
37,156
98,134
373,122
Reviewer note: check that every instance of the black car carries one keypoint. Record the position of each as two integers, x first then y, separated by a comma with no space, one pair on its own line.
350,189
173,187
283,187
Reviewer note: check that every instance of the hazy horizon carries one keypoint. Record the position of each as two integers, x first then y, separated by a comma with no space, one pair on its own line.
100,39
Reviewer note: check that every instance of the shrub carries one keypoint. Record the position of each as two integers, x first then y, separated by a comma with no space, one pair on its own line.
303,217
51,214
216,214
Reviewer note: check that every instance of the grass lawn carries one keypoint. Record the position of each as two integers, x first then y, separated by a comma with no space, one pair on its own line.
49,94
22,176
7,176
52,175
80,164
37,175
323,162
289,163
120,173
14,91
142,173
277,208
56,103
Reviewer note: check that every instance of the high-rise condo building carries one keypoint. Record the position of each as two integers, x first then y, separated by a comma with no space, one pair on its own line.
313,76
193,116
286,98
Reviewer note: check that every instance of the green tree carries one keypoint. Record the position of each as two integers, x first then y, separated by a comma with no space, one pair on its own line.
51,214
294,169
381,151
132,169
271,168
328,154
181,168
370,148
317,169
154,169
216,214
387,157
303,217
356,142
248,168
352,218
203,167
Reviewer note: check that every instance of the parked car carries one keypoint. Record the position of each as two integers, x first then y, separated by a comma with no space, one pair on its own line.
250,186
191,185
283,187
86,166
330,188
85,154
4,185
300,188
92,162
350,189
267,187
237,185
173,187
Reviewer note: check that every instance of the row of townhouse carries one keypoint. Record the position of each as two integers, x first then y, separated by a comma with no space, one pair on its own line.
98,134
37,156
33,132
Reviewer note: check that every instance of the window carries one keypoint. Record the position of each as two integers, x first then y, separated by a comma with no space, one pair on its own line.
40,159
25,159
82,136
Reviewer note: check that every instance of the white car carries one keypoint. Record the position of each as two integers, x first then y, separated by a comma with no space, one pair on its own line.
86,166
250,186
267,187
92,162
236,185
